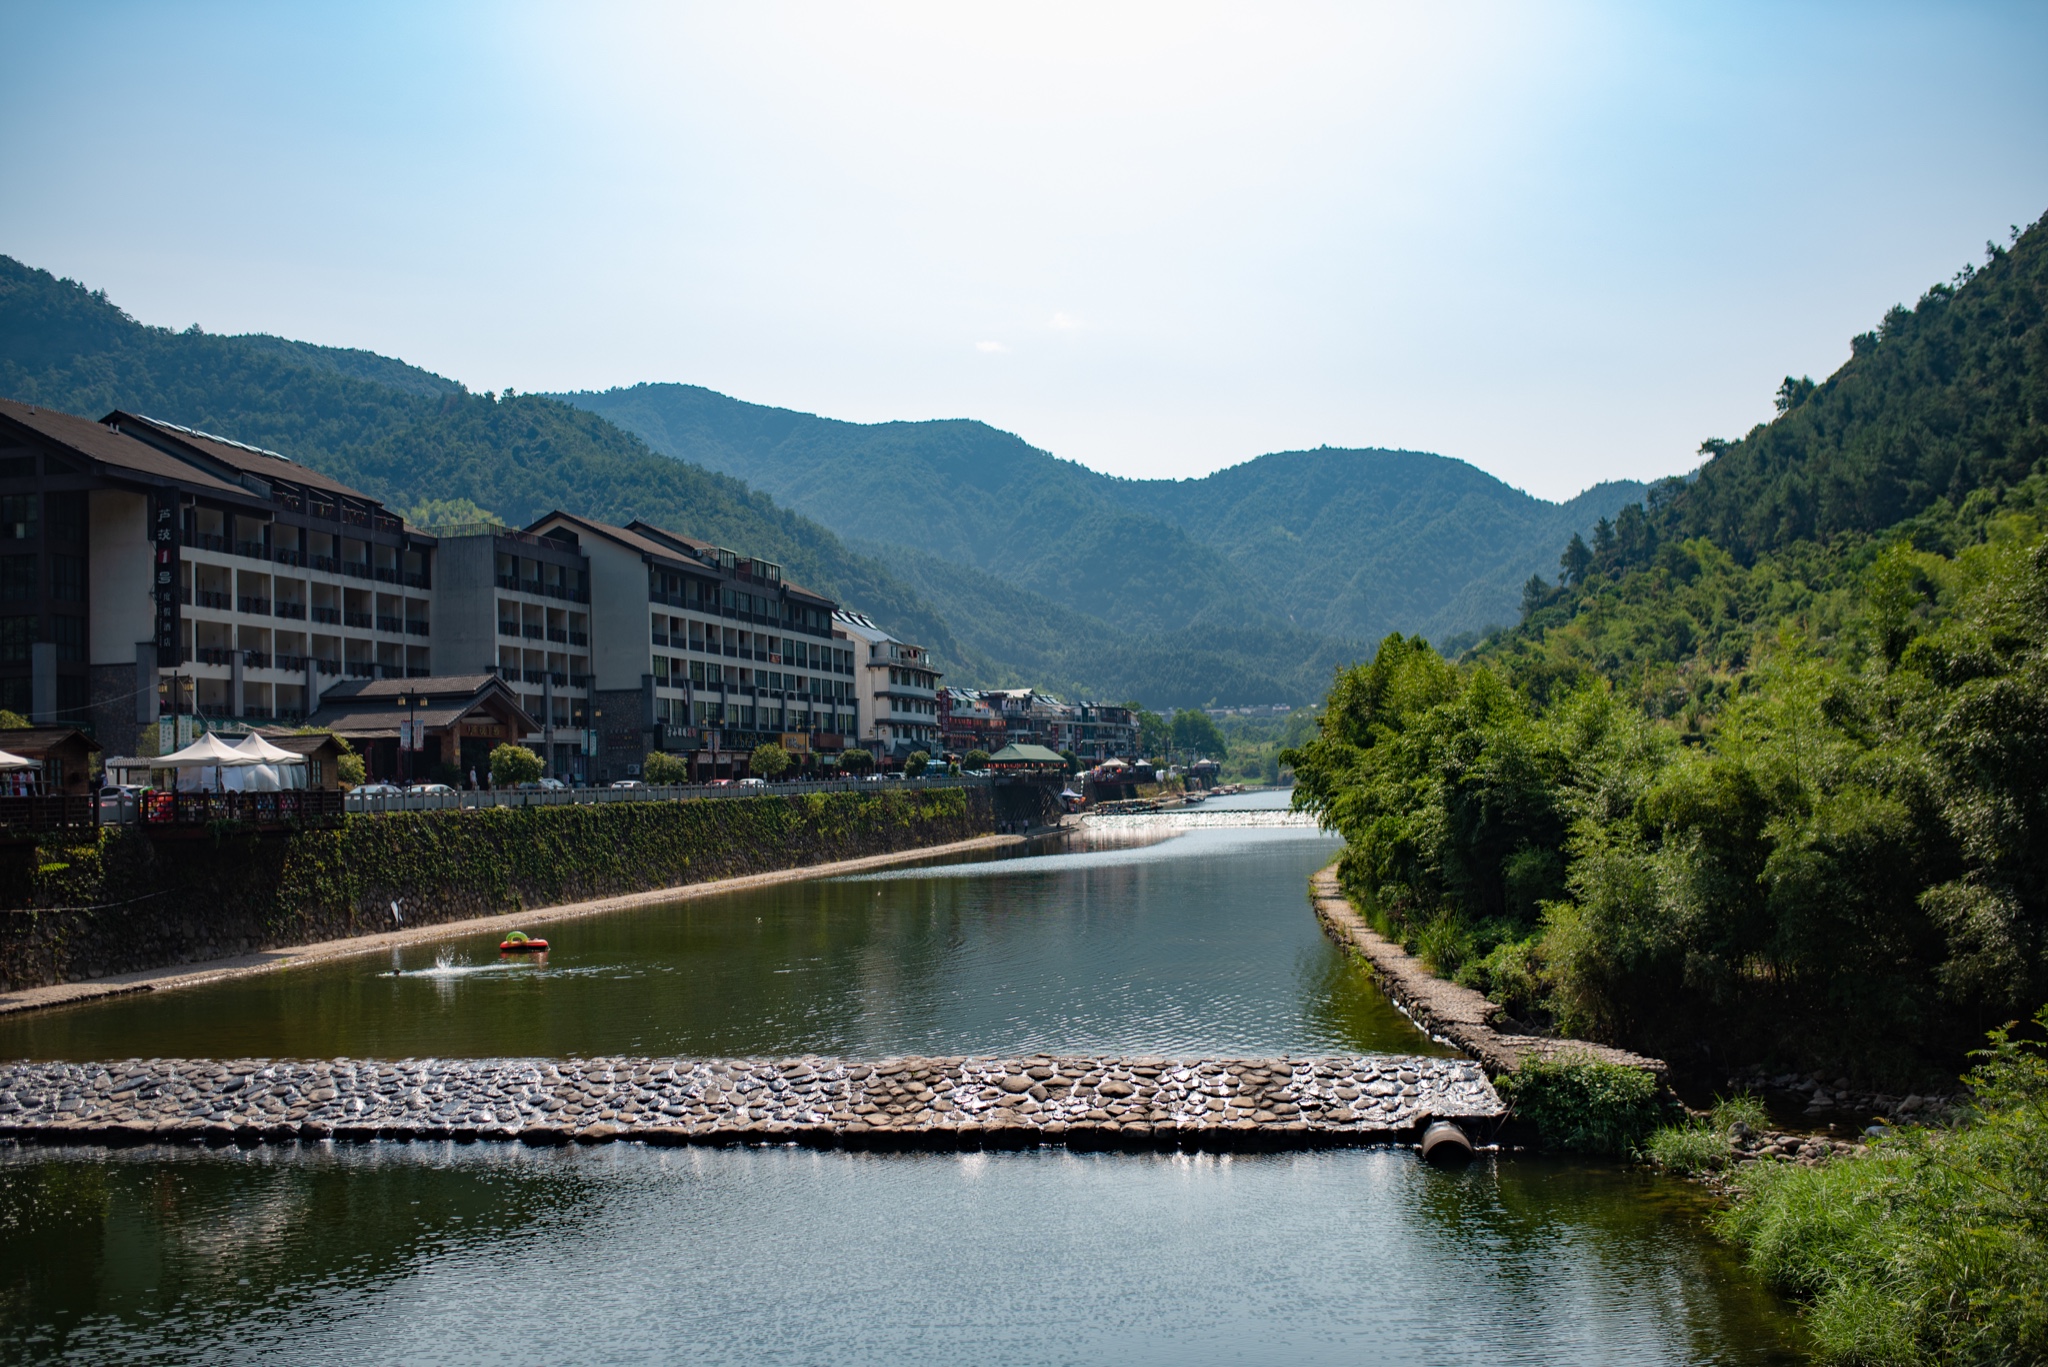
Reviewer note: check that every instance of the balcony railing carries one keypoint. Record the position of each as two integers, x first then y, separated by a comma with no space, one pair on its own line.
415,579
255,550
214,655
390,624
328,666
358,569
296,611
331,616
557,634
208,598
291,557
508,629
259,607
531,633
387,574
296,663
357,619
579,638
206,541
327,563
361,669
413,628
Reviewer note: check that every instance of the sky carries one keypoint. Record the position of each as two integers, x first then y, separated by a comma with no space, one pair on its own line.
1565,243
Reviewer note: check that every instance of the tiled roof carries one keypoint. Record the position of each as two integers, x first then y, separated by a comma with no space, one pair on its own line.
104,445
236,455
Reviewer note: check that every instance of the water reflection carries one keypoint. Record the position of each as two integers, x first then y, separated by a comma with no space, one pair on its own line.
1201,942
437,1253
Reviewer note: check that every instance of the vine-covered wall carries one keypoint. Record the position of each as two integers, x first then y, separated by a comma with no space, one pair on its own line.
127,901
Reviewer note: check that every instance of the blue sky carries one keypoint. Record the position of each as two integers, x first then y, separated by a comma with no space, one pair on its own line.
1564,243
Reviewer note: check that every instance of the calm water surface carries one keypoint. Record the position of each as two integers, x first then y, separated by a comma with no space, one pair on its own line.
441,1253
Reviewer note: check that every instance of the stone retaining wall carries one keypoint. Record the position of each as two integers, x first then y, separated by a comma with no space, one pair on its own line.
1459,1014
910,1103
128,901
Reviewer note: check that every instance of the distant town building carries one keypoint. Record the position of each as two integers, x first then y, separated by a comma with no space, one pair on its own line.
898,690
968,721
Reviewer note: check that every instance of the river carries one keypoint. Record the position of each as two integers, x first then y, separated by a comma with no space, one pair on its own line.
1155,940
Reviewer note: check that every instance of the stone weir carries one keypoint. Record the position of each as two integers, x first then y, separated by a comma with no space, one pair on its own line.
904,1103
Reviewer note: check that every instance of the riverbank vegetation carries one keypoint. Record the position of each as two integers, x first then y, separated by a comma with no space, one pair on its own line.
1756,780
1932,1247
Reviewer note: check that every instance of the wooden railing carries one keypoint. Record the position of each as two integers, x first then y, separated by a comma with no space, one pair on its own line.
50,813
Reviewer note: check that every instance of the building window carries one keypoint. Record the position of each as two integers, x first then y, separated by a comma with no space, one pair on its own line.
67,516
17,517
69,634
17,634
18,578
67,578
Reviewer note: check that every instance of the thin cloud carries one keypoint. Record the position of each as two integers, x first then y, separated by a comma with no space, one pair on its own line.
1068,322
990,346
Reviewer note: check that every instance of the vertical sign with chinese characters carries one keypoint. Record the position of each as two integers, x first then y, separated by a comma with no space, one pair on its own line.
163,541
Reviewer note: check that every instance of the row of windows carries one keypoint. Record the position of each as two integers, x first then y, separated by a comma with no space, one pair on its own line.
673,673
21,578
713,639
913,678
666,586
25,516
18,634
750,716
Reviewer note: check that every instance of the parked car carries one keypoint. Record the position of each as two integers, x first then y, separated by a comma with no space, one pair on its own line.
115,797
378,790
543,785
718,783
753,783
430,788
627,783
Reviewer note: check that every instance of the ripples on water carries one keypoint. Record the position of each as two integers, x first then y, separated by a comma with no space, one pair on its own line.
483,1254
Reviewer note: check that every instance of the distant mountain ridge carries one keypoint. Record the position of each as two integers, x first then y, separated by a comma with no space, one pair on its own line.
1337,543
1016,567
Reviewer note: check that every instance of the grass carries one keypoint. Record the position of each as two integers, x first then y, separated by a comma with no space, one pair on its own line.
1702,1143
1930,1248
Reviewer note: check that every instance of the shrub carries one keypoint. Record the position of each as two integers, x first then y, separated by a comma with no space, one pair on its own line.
769,761
512,764
856,761
662,767
974,759
1581,1105
1931,1247
916,764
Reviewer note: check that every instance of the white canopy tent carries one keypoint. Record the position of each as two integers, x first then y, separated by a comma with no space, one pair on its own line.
10,761
208,752
277,768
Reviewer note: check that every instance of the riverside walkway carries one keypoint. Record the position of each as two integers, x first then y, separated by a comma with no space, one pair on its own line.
904,1103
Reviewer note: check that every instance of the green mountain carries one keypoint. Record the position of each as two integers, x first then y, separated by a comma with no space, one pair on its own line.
1340,544
410,436
406,435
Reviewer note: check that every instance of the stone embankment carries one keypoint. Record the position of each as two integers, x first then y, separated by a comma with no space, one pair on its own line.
907,1103
1464,1017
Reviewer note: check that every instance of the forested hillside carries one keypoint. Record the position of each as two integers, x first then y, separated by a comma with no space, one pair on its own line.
1340,544
1762,776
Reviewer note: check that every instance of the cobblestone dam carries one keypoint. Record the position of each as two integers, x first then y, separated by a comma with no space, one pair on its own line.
903,1103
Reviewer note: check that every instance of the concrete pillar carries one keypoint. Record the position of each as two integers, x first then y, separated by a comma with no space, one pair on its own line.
235,659
312,684
42,658
547,721
147,705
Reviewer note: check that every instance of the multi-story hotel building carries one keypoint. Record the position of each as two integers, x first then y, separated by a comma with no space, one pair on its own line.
704,652
898,691
146,568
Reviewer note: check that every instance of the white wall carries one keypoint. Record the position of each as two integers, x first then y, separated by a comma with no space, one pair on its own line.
123,608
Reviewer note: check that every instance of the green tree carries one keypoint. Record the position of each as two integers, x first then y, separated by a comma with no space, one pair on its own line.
450,512
974,759
856,761
917,762
664,768
1194,733
1073,762
1155,733
1576,560
514,764
769,761
12,721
